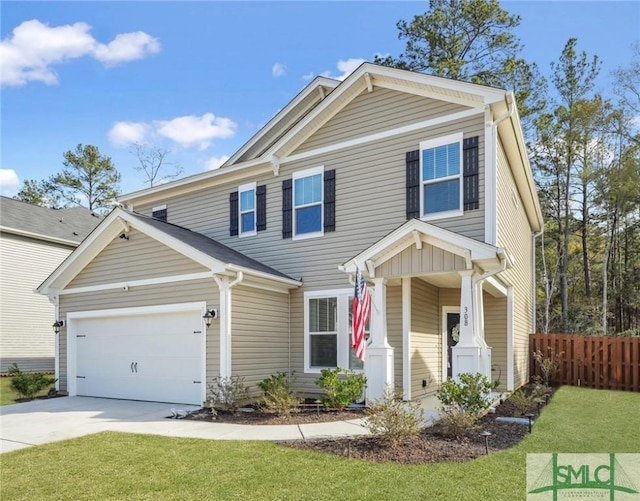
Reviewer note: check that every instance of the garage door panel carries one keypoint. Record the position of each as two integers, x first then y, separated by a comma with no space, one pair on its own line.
155,357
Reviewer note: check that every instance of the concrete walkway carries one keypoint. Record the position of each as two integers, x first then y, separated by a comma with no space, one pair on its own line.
44,421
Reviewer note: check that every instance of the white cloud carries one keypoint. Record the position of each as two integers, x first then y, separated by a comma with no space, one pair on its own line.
345,68
126,47
308,76
127,133
197,131
188,131
34,48
215,162
278,70
9,182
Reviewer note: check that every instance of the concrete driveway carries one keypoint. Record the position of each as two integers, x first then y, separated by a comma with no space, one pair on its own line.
44,421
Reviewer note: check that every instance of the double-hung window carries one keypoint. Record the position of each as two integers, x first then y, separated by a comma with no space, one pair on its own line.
328,329
247,209
308,203
441,177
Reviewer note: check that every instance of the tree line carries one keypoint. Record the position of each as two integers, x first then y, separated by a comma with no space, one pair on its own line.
584,148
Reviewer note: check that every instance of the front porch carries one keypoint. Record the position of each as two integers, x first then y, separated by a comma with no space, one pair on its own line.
436,300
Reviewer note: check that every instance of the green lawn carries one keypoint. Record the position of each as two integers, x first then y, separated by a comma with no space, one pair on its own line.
7,394
123,466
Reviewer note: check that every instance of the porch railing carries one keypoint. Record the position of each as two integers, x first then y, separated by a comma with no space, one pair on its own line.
593,361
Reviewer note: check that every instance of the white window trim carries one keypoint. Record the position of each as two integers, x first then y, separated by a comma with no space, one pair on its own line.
432,143
158,208
342,324
298,175
242,188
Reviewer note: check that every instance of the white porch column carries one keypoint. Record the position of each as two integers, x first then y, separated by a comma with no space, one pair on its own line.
466,354
378,365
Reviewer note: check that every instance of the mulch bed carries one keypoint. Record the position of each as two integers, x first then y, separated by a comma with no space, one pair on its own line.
431,446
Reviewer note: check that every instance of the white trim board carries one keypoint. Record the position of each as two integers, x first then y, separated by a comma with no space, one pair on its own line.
124,286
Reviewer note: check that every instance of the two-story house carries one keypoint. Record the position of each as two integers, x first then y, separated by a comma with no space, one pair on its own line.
34,240
421,182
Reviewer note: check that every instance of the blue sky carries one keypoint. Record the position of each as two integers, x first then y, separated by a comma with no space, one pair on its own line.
200,78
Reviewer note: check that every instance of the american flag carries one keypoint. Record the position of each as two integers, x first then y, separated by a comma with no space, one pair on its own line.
360,314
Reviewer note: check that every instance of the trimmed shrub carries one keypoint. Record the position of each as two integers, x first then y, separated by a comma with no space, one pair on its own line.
28,385
470,395
342,387
227,394
277,395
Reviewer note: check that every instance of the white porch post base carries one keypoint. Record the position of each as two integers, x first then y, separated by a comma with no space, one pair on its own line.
378,369
471,359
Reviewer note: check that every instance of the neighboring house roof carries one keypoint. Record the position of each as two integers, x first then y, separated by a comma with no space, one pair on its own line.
216,257
63,226
285,138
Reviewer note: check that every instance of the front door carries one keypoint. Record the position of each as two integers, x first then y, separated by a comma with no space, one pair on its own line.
453,336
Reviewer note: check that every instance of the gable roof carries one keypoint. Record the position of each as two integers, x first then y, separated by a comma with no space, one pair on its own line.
211,254
417,232
365,78
63,226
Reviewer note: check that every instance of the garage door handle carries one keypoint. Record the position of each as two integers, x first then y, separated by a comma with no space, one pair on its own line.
131,366
135,366
197,382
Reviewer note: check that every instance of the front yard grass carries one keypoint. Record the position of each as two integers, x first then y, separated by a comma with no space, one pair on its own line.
7,394
124,466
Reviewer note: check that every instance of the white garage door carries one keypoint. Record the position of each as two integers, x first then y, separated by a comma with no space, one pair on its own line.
155,357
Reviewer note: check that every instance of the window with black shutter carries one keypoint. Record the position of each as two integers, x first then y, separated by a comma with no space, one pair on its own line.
308,203
441,173
233,213
261,208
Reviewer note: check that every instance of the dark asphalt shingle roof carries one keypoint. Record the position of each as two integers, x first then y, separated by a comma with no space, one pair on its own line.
209,246
72,224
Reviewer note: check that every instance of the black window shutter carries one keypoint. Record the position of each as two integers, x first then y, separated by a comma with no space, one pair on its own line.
413,184
471,173
233,213
330,200
287,213
261,208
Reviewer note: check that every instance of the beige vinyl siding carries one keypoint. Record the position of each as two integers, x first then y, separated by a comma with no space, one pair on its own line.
138,258
377,111
495,335
514,234
26,336
150,295
259,334
426,339
394,331
412,261
370,203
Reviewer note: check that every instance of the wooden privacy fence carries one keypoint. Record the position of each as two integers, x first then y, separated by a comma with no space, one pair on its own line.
593,361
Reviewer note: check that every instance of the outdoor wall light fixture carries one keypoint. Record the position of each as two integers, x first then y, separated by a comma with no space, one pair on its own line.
209,316
57,325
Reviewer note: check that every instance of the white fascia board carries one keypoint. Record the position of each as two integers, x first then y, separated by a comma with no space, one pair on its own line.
124,286
288,282
318,82
195,182
39,236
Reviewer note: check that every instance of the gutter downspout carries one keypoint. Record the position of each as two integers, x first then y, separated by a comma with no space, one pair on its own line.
225,321
534,270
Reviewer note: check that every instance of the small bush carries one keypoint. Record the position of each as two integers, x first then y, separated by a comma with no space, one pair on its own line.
227,394
393,419
342,387
470,395
456,423
549,364
521,401
28,385
277,395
